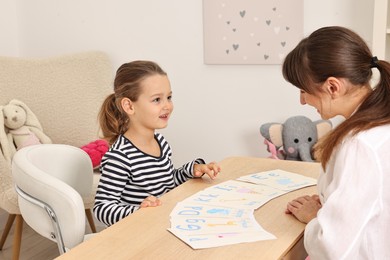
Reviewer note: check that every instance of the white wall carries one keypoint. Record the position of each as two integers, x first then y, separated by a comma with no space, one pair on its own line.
9,28
218,108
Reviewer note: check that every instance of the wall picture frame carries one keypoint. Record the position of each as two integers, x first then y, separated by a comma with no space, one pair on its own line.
251,31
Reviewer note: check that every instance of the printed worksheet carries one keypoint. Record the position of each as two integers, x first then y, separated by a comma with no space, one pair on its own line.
200,241
199,225
223,214
279,179
199,232
185,209
235,194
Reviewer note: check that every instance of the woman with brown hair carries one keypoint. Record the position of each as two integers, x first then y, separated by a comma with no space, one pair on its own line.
350,216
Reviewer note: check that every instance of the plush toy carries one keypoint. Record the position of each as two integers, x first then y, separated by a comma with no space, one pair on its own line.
96,150
21,128
4,146
294,139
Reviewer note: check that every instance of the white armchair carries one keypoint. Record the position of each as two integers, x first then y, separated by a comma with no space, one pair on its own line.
50,180
65,93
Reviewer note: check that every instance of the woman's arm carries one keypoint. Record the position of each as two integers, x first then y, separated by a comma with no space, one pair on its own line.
351,198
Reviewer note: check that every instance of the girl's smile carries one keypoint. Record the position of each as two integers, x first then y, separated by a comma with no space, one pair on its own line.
164,117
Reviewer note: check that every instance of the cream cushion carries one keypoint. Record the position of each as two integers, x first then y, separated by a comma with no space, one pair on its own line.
65,93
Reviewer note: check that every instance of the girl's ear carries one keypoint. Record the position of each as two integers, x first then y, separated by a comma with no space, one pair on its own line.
127,106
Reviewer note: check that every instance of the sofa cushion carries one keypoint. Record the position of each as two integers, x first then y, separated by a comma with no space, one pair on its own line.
65,92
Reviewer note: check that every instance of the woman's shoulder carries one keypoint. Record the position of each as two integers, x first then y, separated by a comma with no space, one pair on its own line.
378,132
377,135
373,137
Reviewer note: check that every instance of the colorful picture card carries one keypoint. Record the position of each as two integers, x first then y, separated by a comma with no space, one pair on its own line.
223,214
200,241
184,209
235,194
279,179
205,232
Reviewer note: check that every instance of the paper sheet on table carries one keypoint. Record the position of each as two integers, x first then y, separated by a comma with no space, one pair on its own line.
221,239
235,194
199,232
279,179
183,209
223,214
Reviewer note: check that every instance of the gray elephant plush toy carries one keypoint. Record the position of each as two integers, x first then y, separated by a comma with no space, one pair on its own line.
294,139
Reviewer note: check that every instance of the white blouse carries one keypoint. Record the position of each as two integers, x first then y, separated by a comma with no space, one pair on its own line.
354,221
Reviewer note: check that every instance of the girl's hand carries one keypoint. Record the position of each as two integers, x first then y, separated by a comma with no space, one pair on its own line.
304,208
150,201
211,169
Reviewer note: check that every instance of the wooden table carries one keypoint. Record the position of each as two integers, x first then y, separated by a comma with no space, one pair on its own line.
144,235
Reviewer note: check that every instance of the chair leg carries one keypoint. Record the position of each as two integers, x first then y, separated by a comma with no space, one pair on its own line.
88,213
17,237
7,228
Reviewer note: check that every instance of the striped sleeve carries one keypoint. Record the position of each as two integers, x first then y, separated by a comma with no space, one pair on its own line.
185,172
109,207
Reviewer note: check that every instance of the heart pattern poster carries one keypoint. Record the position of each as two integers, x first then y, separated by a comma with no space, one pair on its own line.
251,31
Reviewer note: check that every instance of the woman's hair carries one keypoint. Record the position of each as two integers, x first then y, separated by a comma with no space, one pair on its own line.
127,84
341,53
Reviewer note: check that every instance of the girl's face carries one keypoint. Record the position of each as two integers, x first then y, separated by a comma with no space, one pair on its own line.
154,105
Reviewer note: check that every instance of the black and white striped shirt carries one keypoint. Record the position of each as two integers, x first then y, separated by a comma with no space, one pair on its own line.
129,176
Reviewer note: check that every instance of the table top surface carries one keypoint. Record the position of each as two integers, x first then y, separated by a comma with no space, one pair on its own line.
144,234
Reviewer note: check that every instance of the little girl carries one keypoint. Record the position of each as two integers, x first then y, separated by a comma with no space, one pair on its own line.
138,169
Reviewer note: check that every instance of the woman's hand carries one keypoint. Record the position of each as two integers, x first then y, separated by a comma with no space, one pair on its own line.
304,208
150,201
211,169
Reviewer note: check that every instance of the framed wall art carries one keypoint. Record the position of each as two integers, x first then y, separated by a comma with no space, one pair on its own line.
251,31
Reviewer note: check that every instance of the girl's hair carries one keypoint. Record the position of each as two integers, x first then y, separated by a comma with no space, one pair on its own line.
341,53
127,84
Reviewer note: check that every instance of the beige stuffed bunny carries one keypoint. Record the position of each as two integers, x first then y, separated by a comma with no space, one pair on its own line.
21,127
4,146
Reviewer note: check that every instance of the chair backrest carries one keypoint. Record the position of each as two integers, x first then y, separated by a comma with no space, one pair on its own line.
64,92
56,176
